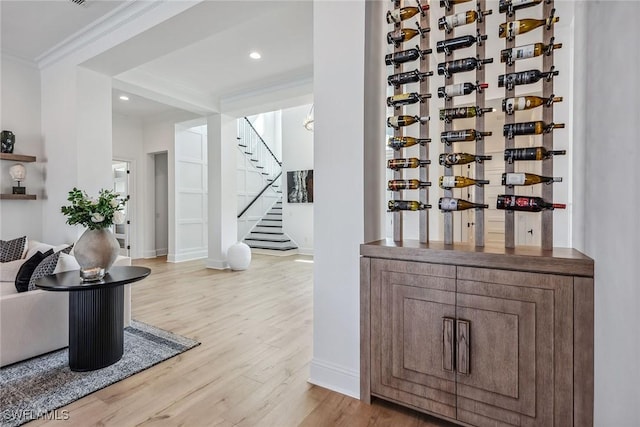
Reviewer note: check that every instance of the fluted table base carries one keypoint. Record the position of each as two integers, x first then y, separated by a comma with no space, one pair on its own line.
96,328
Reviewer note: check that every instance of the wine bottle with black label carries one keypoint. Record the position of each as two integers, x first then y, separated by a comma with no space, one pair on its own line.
398,142
406,205
460,65
449,114
525,203
530,153
515,178
537,127
460,89
448,4
450,136
524,77
408,55
449,204
407,77
510,6
398,101
448,46
520,103
406,184
409,163
452,159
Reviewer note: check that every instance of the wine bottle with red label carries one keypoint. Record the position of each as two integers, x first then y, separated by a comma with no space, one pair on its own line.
525,203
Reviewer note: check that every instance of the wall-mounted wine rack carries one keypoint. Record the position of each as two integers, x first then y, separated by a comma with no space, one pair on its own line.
448,9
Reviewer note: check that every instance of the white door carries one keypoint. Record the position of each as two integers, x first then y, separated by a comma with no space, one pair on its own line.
121,172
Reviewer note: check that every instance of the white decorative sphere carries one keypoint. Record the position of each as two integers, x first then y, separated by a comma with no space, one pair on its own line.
18,172
239,256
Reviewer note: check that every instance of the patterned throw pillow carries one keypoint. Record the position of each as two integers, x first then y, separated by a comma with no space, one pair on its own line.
26,271
67,250
45,268
11,250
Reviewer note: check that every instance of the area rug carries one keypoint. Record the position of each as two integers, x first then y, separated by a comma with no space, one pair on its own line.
37,387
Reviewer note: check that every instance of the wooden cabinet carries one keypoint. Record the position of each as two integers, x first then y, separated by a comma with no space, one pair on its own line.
478,337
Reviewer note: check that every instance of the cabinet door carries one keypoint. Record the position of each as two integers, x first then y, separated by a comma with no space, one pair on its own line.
412,334
514,338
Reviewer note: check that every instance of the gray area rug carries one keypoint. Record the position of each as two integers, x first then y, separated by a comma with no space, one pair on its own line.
34,388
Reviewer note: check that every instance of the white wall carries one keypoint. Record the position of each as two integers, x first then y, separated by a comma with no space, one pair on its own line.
612,235
339,215
297,154
20,108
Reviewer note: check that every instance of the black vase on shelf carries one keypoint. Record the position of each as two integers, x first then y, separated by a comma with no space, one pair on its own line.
8,139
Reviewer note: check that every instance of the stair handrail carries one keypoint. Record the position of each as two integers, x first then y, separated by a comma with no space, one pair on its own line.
263,143
259,194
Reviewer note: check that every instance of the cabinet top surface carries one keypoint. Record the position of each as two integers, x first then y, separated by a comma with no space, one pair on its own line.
558,260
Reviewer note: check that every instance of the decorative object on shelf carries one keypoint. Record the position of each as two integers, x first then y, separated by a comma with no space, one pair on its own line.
18,173
7,141
239,256
300,186
97,249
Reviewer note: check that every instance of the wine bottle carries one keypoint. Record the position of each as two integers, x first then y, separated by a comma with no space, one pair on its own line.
462,135
398,142
525,203
408,55
511,179
449,114
449,204
406,205
448,3
524,77
509,105
451,159
537,127
406,184
409,163
396,37
460,65
407,77
406,99
448,23
397,122
397,15
459,89
510,5
513,28
448,46
531,153
527,51
447,182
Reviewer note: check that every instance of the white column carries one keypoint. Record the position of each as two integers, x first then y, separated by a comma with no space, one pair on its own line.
223,203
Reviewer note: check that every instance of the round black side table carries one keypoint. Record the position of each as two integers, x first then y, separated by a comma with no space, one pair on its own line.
96,314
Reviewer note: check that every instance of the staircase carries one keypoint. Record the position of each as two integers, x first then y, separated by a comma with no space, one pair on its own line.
268,235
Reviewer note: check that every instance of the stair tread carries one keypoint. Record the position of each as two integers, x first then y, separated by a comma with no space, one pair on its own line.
258,239
288,248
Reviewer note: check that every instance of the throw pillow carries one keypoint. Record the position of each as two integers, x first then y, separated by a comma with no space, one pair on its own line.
26,271
9,270
45,268
66,263
11,250
68,249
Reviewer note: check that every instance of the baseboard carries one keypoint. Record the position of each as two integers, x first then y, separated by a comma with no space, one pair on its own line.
305,251
161,252
187,256
334,377
217,264
149,254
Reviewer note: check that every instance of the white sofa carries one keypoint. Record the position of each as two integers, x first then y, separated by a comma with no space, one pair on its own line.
37,322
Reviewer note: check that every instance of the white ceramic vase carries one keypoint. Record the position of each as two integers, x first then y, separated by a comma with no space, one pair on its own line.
239,256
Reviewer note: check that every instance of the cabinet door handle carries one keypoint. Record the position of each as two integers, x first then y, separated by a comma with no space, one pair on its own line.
448,335
464,349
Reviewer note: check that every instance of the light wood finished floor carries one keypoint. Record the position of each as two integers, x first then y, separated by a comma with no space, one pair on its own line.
252,367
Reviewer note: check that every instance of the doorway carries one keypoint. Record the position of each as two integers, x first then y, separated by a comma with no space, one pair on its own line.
121,172
161,208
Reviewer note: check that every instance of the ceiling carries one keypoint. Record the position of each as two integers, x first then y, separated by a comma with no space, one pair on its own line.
193,61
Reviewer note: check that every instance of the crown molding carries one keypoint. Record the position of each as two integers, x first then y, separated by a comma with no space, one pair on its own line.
9,55
118,17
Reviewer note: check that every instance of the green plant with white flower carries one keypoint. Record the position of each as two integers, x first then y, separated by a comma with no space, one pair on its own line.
94,213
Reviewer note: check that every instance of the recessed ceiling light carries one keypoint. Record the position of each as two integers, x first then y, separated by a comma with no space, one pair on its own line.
255,55
124,98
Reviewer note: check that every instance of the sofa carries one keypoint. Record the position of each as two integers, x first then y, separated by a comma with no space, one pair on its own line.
37,322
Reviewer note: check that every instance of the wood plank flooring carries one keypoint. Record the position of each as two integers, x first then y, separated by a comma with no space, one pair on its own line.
252,367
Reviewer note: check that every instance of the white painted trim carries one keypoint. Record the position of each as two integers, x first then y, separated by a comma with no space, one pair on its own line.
217,264
150,254
187,256
161,252
305,251
335,377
